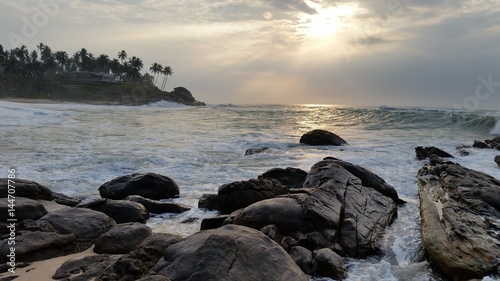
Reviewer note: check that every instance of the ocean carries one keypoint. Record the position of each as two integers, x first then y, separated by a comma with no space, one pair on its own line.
74,148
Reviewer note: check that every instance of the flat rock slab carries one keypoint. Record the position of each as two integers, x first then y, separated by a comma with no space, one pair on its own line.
460,214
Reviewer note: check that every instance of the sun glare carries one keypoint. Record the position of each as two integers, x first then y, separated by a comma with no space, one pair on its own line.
328,21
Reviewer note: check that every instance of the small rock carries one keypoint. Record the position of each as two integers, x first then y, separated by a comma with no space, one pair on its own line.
425,152
330,264
120,211
255,150
209,201
158,207
150,185
322,137
212,223
480,144
303,258
122,239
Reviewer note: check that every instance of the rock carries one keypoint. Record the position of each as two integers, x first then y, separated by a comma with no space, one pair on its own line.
251,151
209,201
86,268
322,137
273,232
303,258
66,200
154,278
334,207
87,225
24,208
150,185
480,144
212,223
120,211
497,160
122,239
290,177
25,188
237,195
229,253
460,215
329,264
158,207
425,152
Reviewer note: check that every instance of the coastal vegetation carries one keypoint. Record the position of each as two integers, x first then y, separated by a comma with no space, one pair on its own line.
83,76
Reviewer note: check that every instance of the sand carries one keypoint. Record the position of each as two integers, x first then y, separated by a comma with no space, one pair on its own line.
44,270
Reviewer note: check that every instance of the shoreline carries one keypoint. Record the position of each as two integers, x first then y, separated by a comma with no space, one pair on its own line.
52,101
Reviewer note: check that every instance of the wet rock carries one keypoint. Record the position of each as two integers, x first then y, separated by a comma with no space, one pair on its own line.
460,211
158,207
322,137
209,201
212,223
66,200
25,188
497,160
290,177
86,268
237,195
480,144
252,151
425,152
150,185
23,208
329,264
118,210
122,239
231,252
155,278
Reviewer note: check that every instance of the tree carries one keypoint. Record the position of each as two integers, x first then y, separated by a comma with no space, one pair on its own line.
115,67
103,63
134,67
122,55
156,68
62,59
167,70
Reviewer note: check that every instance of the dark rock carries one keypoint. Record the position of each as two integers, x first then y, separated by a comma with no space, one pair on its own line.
368,179
329,264
24,208
155,278
480,144
273,232
122,239
322,137
87,225
150,185
288,243
290,177
231,252
303,258
212,223
158,207
425,152
460,211
209,201
120,211
183,96
138,263
284,212
25,188
237,195
463,152
190,220
497,160
251,151
63,199
86,268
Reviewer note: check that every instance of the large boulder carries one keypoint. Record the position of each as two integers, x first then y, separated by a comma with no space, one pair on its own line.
121,211
322,137
460,214
232,253
237,195
22,208
340,203
426,152
150,185
25,188
122,239
290,177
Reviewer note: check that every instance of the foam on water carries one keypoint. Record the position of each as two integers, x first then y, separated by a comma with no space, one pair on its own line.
75,148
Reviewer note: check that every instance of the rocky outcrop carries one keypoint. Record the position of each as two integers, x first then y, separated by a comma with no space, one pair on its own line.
460,214
183,96
24,208
488,143
341,205
233,253
426,152
158,207
122,239
237,195
322,137
150,185
290,177
121,211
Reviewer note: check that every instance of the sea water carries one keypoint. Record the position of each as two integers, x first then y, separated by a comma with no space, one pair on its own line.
74,148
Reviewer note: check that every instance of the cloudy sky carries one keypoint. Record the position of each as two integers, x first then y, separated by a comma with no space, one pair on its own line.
367,52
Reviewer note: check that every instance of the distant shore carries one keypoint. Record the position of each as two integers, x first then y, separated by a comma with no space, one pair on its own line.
55,101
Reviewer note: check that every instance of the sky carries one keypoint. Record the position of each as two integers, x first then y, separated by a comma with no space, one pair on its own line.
439,53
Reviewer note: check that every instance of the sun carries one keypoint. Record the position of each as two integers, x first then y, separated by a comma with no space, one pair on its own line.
328,21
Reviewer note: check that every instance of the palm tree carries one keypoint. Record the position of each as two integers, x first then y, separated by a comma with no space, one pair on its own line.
103,63
167,70
135,65
122,55
156,68
62,59
115,67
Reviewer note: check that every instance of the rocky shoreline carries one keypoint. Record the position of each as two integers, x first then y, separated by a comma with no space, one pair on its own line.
284,224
